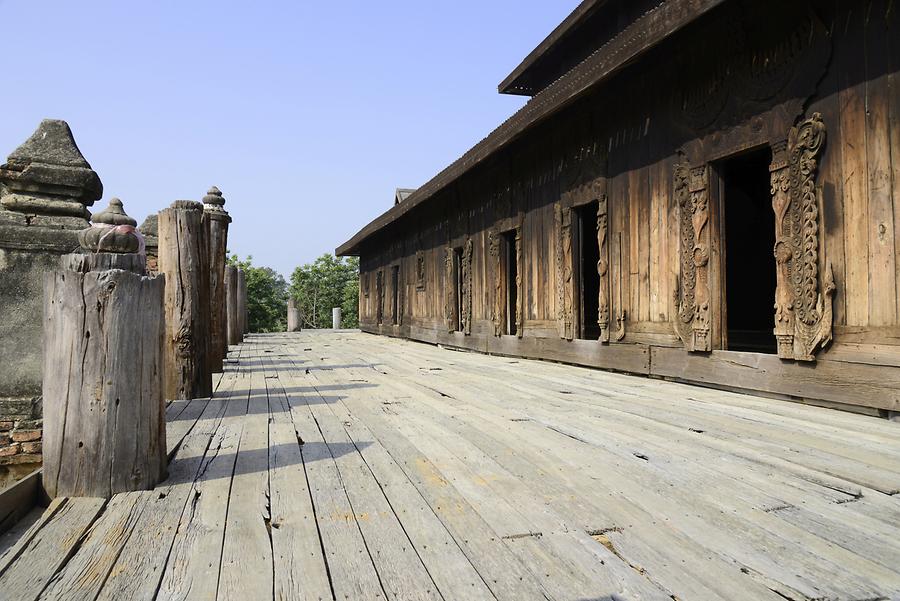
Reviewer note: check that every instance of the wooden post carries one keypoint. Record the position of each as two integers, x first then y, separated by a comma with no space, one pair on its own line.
184,259
336,318
104,416
293,316
243,320
231,304
218,219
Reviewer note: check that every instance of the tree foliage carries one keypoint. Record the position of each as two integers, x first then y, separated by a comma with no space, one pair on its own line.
325,283
267,294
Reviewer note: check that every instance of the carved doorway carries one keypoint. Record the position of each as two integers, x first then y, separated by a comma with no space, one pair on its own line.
395,295
510,270
747,230
586,267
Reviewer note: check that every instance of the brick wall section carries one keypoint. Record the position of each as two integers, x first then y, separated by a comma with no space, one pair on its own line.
20,441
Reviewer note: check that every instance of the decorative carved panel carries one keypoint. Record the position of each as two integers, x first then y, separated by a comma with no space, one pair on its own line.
520,297
496,267
450,290
565,282
692,296
379,296
466,292
420,270
803,300
603,268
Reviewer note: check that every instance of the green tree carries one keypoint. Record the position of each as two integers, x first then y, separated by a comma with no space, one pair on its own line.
266,296
325,283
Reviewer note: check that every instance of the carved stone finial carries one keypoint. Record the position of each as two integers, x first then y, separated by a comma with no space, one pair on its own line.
48,176
187,205
114,214
214,204
113,231
150,227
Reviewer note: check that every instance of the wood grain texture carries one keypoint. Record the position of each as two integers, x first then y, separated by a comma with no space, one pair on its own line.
184,260
104,428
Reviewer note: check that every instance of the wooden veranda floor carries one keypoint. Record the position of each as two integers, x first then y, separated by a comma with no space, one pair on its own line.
349,466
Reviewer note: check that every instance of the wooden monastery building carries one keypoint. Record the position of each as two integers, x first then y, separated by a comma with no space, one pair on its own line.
703,190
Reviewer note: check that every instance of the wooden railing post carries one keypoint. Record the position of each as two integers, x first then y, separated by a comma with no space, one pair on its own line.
218,219
293,316
231,304
184,260
243,320
104,417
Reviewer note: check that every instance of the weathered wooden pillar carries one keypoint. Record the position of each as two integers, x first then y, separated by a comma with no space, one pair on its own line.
293,316
231,305
217,219
243,319
184,260
104,417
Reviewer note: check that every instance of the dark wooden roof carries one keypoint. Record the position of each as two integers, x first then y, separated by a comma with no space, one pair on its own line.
520,80
628,45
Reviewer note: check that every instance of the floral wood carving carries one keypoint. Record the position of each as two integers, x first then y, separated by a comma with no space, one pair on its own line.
450,306
565,293
379,296
803,300
520,313
466,292
692,287
420,270
494,246
603,268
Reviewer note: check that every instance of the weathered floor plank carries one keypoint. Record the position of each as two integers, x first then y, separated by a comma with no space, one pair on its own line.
342,466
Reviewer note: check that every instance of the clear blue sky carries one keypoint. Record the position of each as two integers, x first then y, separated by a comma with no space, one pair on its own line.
307,114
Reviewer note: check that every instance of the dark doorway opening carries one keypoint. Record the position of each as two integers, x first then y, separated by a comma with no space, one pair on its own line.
511,271
457,289
395,294
749,240
588,277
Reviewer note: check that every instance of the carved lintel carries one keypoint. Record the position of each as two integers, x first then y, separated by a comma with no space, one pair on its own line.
692,321
603,268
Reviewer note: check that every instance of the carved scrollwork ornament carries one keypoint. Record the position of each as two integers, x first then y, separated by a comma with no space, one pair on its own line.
692,297
564,273
803,299
494,244
449,306
603,268
466,292
520,297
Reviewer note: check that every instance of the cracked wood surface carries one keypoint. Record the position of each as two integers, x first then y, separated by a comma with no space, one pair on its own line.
348,466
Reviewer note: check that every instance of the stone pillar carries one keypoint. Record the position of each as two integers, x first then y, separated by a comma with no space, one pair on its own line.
336,318
184,260
46,186
104,426
243,320
150,230
231,305
293,316
217,219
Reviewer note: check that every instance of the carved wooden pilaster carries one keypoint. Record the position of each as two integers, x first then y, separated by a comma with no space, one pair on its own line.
466,293
379,296
803,300
692,290
621,314
565,299
603,268
400,299
450,306
520,298
496,266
